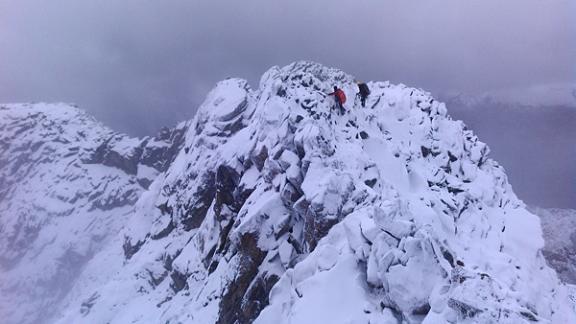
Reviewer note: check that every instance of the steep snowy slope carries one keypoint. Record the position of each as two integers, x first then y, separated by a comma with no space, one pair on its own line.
67,184
277,211
559,227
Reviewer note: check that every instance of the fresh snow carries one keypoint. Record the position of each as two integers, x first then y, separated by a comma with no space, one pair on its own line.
277,210
59,204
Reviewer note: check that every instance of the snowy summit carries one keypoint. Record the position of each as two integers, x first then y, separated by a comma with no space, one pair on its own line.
268,207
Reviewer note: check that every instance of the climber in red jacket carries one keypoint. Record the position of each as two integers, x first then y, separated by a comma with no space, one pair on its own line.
340,98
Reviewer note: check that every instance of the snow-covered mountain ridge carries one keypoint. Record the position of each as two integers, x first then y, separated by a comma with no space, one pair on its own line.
67,184
276,210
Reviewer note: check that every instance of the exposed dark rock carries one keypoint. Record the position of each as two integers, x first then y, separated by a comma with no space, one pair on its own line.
226,183
164,208
154,281
208,258
144,183
260,157
272,169
109,202
295,244
106,155
308,104
231,128
151,151
256,297
421,310
168,260
529,316
164,232
452,157
195,211
236,112
129,248
224,242
242,194
178,281
454,191
213,266
160,157
301,206
237,306
370,183
425,151
290,194
463,309
316,227
448,256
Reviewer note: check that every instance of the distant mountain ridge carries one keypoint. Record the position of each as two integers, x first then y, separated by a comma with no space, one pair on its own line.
544,95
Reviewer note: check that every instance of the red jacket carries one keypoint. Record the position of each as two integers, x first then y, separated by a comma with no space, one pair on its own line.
339,95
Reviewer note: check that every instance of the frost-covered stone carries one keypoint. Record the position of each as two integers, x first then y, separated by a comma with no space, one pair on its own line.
278,211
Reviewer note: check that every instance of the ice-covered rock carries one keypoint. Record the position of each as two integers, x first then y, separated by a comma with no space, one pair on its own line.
277,210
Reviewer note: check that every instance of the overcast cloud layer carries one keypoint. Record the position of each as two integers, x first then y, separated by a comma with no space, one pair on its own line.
132,58
140,64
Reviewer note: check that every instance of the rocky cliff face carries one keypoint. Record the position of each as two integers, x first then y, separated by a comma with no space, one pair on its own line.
276,209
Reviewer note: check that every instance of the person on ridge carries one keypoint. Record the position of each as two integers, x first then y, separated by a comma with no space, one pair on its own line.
363,92
340,98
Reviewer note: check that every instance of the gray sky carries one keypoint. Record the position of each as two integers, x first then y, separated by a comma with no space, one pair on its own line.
140,64
153,61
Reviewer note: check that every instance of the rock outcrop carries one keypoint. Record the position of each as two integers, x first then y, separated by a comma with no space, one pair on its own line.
277,210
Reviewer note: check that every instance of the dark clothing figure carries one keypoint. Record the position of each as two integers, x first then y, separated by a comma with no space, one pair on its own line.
340,98
363,92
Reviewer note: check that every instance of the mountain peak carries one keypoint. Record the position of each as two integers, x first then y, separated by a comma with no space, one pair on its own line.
274,200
